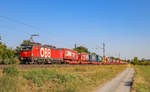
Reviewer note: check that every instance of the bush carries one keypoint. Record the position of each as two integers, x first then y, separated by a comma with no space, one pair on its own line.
16,61
1,60
11,61
14,84
7,55
11,70
40,76
6,61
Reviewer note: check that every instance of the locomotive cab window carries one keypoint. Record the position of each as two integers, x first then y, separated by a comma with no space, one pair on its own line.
26,48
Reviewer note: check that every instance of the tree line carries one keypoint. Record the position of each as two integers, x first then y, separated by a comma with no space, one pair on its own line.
136,61
7,55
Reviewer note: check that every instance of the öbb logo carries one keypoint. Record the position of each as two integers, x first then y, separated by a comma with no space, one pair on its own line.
45,52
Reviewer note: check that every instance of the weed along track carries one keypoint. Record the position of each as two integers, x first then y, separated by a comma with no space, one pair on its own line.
57,78
32,66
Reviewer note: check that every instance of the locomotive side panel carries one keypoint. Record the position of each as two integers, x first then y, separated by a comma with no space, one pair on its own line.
49,55
56,54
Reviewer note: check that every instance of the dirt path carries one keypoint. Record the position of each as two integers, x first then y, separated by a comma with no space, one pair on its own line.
122,83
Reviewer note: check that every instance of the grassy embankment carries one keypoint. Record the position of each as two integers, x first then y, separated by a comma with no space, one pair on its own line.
141,79
57,79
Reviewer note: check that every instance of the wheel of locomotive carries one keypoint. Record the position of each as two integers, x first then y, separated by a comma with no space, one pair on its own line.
39,61
62,62
31,62
25,63
43,62
48,61
35,62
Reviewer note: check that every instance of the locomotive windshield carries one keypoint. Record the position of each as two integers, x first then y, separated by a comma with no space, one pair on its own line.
26,48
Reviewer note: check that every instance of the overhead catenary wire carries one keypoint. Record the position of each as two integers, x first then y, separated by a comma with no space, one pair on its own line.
19,22
22,23
103,49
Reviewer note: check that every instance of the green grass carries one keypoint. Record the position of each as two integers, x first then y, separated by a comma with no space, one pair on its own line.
11,71
142,79
58,79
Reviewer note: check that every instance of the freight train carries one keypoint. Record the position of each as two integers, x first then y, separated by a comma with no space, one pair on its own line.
36,53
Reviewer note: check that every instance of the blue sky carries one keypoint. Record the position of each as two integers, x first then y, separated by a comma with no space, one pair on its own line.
124,25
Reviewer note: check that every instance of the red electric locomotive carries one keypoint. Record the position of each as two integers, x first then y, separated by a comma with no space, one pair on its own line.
37,53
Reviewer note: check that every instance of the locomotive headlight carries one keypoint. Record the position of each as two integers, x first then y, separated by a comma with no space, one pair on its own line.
21,58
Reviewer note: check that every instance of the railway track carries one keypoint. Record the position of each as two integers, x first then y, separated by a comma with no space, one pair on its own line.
24,66
32,66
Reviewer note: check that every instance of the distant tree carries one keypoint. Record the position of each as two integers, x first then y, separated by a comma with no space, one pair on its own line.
117,58
81,49
26,42
128,61
142,60
135,61
0,38
93,53
18,48
112,57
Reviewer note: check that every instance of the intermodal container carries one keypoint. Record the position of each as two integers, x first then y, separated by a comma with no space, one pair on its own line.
69,54
99,58
92,58
83,57
111,60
